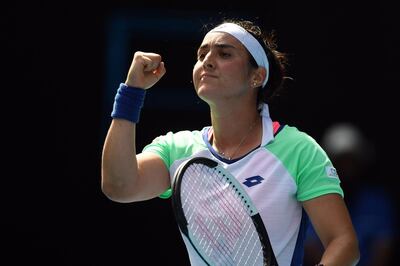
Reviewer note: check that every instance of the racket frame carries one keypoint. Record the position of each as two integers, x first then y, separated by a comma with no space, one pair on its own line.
268,254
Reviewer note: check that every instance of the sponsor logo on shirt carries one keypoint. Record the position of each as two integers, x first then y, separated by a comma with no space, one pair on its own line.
331,172
252,181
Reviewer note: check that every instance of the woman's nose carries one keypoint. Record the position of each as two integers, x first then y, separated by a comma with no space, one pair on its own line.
208,61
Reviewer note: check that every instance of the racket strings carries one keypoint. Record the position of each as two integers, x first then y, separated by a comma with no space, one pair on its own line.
218,218
205,228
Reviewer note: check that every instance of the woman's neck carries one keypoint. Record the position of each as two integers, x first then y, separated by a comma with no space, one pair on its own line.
235,134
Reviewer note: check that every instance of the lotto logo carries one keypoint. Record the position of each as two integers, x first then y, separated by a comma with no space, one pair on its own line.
252,181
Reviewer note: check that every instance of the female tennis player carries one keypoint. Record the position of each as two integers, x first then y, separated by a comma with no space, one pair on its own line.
288,176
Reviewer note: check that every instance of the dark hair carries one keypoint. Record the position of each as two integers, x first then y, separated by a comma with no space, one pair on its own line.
277,60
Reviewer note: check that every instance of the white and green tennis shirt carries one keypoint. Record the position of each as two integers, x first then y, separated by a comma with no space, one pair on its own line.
289,167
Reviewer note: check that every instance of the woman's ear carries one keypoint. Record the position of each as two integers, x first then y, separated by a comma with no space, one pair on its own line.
258,77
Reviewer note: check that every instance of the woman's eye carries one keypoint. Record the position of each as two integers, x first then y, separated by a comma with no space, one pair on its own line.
223,54
201,56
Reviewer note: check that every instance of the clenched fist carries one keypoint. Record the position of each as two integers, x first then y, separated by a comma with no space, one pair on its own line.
146,70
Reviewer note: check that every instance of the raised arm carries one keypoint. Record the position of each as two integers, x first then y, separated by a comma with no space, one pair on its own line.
125,175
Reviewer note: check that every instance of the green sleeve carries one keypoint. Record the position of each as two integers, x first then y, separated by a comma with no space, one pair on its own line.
307,163
175,146
316,174
161,147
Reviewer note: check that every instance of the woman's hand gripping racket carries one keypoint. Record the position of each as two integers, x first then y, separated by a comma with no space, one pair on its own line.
218,217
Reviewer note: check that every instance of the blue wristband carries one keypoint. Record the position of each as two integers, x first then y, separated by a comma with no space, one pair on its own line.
128,103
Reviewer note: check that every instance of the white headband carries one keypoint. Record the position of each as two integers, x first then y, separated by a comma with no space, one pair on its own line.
248,40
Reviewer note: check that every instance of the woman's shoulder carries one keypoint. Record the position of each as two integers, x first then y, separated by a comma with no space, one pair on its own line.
186,133
293,134
181,136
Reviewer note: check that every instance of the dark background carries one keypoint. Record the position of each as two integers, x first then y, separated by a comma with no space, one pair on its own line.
59,77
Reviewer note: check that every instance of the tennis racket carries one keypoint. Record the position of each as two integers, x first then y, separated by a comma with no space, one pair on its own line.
218,217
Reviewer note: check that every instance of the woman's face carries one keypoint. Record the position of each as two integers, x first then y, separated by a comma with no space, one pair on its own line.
222,69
